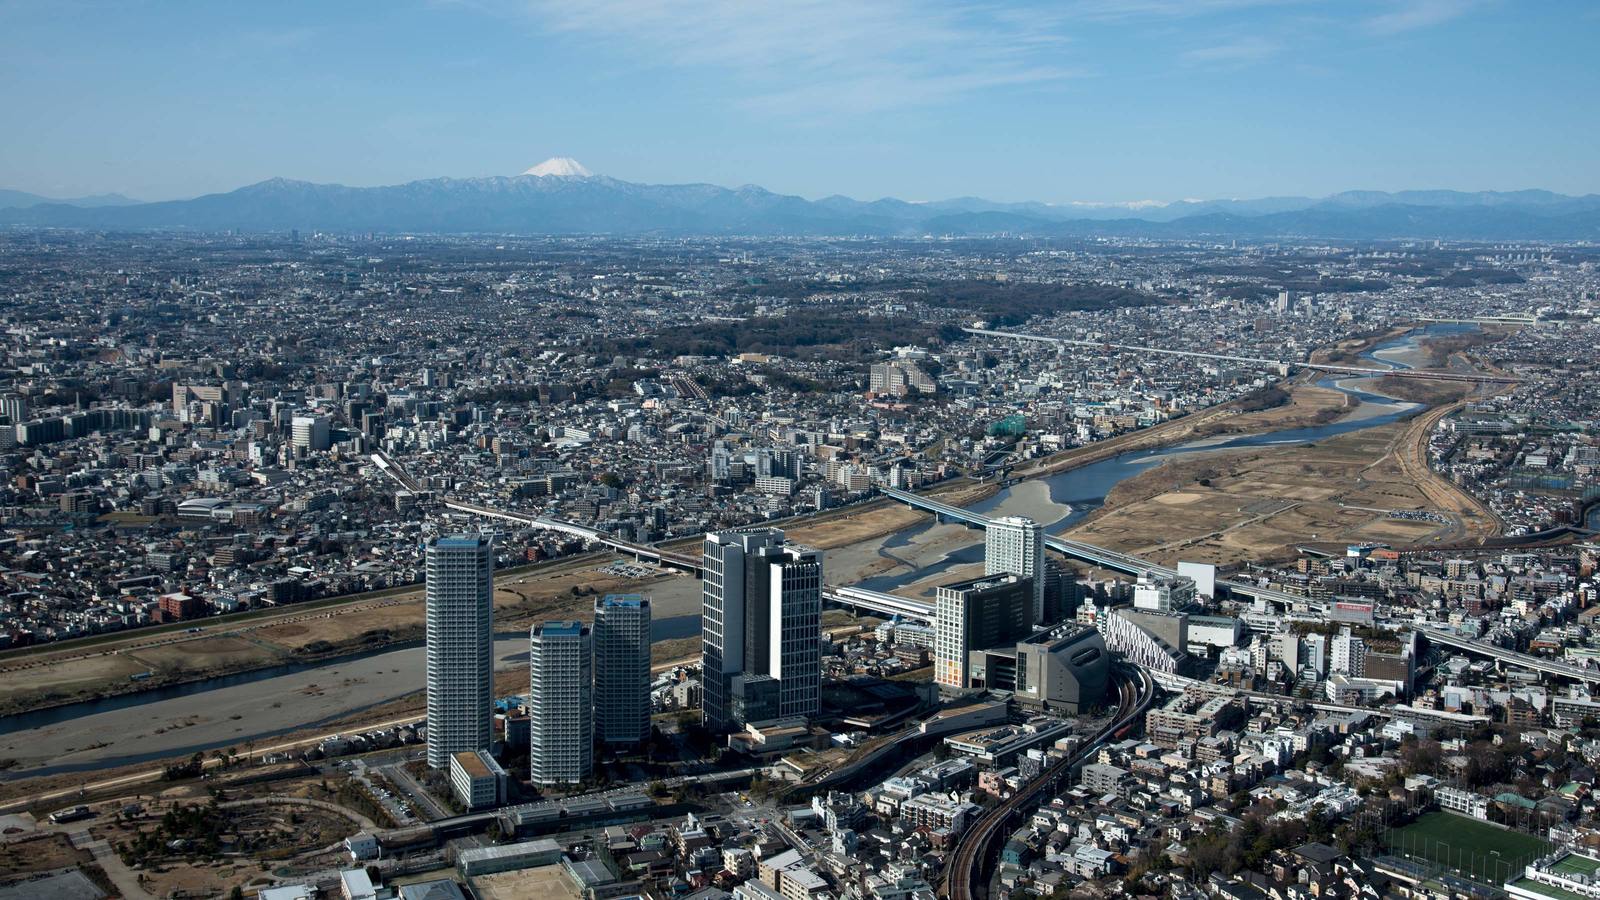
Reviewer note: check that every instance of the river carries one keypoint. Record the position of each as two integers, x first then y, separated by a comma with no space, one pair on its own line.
256,706
1079,492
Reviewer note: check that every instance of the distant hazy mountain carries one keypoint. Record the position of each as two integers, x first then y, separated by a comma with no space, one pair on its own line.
560,196
23,199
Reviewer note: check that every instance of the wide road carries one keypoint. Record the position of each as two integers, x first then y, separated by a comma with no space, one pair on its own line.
966,875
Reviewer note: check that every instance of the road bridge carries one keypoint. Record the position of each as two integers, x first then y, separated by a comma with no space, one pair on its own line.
1528,319
1284,366
1125,563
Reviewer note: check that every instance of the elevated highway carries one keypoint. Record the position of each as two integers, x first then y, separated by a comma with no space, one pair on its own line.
863,600
1125,563
641,552
1539,664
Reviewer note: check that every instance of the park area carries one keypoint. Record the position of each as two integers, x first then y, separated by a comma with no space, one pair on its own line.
1475,849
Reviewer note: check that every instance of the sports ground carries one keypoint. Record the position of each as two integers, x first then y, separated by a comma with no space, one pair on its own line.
1478,850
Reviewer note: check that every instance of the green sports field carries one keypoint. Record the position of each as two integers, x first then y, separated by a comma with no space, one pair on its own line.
1572,864
1478,850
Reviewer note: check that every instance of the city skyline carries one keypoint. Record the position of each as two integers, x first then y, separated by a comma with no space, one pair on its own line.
858,449
1086,101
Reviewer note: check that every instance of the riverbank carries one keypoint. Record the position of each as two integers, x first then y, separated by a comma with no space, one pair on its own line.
1362,478
305,635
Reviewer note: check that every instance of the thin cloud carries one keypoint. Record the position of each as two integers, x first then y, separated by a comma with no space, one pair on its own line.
1410,15
1238,52
1132,11
827,55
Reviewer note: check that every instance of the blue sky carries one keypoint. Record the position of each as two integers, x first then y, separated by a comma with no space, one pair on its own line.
1095,100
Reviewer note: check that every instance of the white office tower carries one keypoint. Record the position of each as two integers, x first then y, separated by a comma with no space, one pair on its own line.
1348,656
560,703
622,670
1161,593
1015,544
761,628
460,636
309,431
14,407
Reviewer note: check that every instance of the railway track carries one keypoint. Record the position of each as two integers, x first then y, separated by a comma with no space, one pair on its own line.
967,875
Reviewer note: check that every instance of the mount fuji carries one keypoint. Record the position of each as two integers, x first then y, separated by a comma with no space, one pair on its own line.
562,166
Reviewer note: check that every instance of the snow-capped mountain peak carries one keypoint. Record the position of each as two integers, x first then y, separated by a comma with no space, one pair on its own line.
564,166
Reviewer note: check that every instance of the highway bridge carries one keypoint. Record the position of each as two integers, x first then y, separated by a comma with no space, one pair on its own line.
1284,366
1528,319
1089,553
877,602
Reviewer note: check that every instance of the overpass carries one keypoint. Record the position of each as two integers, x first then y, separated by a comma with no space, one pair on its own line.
863,600
1510,657
394,470
1125,563
641,552
1283,365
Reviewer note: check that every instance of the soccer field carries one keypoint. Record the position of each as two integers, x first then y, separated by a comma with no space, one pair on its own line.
1477,850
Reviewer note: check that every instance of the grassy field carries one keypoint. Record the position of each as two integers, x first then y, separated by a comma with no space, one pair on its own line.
1479,850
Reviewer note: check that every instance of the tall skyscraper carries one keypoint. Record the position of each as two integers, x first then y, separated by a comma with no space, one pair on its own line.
1016,544
460,623
622,670
978,614
761,628
560,703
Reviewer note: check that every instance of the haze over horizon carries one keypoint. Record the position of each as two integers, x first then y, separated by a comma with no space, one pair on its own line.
1087,101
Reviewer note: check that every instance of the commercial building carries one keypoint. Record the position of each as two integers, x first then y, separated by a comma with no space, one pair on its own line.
560,703
460,637
1153,640
1157,593
1066,669
508,857
477,780
977,614
761,628
622,670
310,431
1015,544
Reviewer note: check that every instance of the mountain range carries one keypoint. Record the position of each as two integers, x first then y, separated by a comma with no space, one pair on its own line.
25,199
560,196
